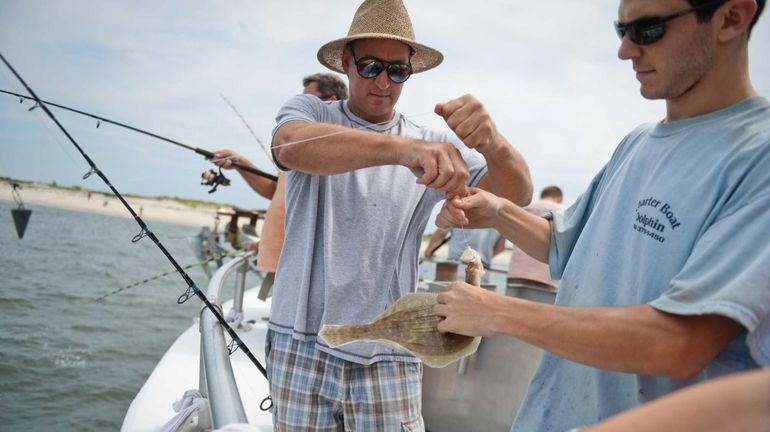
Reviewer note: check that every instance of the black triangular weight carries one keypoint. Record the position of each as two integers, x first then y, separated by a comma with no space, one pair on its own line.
20,219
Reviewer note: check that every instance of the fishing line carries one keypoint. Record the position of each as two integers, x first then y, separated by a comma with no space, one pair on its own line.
156,277
192,289
347,130
259,141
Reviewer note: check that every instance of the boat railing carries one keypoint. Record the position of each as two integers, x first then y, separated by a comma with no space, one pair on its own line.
217,381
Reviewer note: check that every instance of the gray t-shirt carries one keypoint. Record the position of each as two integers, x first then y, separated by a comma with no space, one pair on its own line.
352,239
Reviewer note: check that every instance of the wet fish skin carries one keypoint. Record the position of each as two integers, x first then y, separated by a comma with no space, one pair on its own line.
411,325
408,324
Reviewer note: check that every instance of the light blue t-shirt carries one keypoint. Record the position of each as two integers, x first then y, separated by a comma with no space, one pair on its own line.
352,240
678,219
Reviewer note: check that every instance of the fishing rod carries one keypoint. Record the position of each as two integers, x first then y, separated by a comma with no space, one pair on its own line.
192,289
205,153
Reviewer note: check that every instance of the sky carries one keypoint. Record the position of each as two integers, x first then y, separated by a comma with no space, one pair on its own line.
547,72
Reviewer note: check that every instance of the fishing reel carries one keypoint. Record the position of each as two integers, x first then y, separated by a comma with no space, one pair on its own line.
215,179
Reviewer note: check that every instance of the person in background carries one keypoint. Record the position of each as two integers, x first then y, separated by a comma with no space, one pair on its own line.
327,86
523,269
664,261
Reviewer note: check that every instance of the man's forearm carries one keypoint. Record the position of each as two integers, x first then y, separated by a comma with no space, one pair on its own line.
530,233
634,339
262,186
508,174
324,149
739,402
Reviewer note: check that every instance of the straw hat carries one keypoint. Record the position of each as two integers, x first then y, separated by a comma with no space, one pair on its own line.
381,19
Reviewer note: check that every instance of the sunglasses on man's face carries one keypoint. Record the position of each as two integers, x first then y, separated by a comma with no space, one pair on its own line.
370,67
648,30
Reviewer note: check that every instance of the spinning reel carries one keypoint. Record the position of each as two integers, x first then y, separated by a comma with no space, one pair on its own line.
215,179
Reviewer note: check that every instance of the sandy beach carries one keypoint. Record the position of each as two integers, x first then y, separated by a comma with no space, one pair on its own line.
165,210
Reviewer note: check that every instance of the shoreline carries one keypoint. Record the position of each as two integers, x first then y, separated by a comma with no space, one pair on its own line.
155,209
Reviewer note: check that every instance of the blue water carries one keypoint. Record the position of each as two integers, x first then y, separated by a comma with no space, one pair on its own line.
68,362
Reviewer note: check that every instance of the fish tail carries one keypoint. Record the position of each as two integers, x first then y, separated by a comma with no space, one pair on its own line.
337,335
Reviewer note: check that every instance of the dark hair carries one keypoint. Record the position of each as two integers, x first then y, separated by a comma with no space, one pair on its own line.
328,85
551,192
705,14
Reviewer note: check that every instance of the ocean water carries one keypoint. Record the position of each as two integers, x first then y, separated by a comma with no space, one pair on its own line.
67,362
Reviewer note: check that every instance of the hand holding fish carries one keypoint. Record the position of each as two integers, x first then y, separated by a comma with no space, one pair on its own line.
466,310
470,121
478,209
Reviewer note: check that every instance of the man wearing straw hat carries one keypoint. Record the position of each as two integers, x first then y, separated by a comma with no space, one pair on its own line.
361,183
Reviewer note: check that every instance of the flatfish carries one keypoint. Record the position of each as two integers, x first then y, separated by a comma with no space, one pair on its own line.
411,325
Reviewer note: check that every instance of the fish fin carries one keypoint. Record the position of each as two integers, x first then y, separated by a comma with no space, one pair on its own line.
408,301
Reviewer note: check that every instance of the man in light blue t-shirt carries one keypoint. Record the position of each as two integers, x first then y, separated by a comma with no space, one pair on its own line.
361,183
665,260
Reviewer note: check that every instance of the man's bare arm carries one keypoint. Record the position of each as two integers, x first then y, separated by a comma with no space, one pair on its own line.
635,339
481,209
738,402
324,149
508,174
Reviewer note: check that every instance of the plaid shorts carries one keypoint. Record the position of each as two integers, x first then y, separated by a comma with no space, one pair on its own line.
313,390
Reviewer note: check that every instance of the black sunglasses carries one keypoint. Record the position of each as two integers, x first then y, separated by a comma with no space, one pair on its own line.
369,67
648,30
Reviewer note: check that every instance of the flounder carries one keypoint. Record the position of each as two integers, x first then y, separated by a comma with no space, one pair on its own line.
411,325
